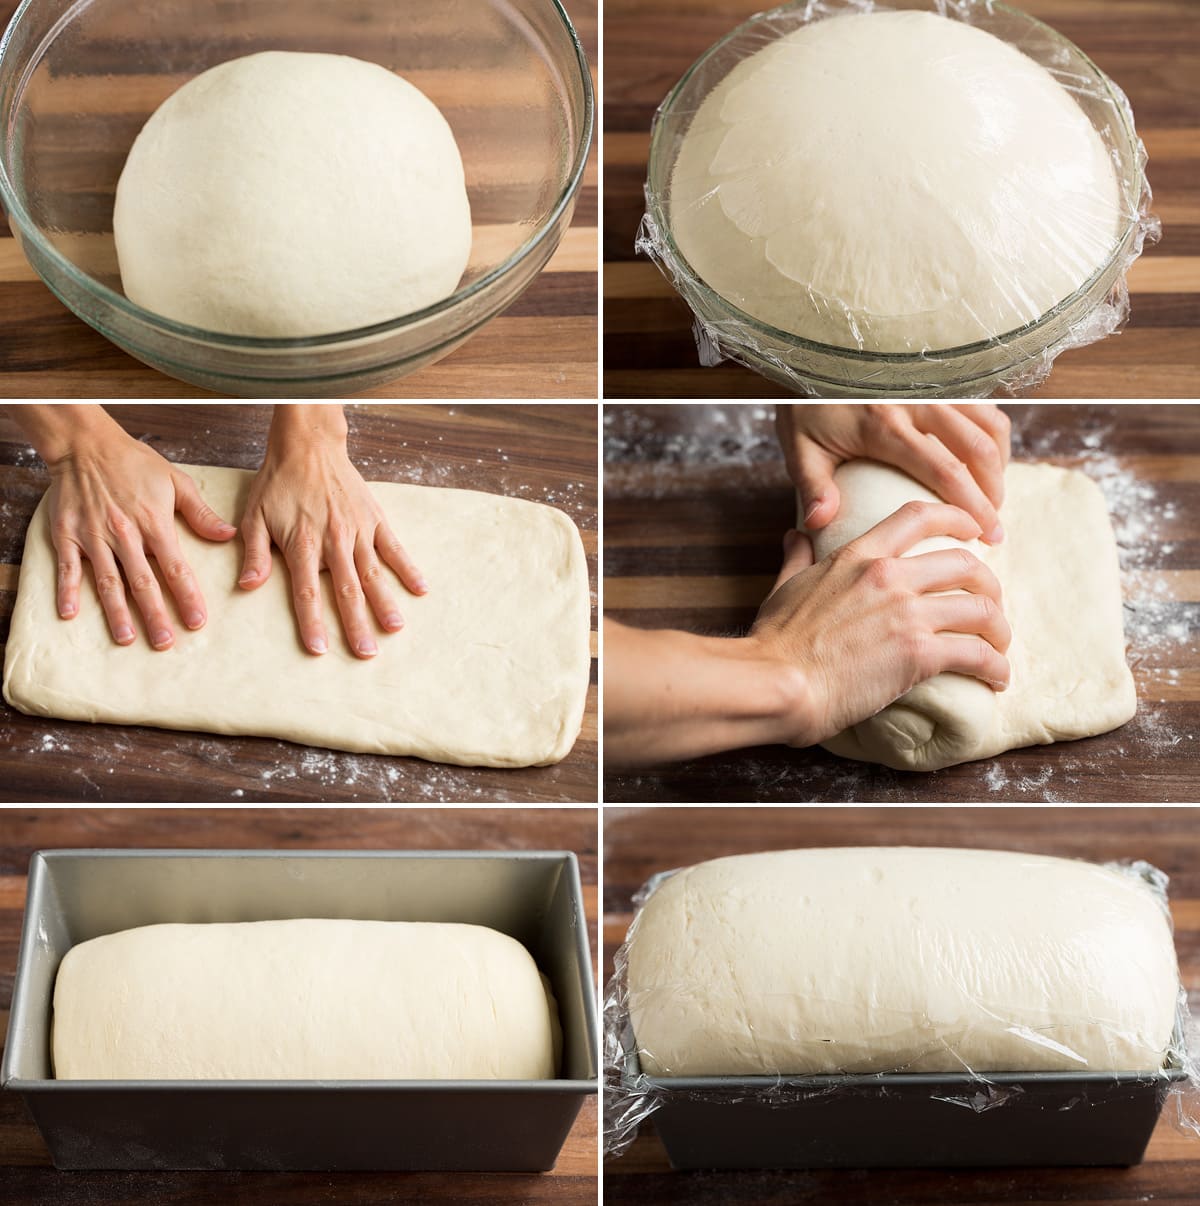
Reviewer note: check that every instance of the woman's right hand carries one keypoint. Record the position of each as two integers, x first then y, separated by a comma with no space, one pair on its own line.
864,626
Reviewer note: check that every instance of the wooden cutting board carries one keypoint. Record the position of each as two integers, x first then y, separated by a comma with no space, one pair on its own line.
696,503
26,1175
1151,48
542,346
545,453
641,841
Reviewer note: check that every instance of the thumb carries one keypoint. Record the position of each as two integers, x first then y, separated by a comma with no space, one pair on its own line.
797,556
819,498
198,515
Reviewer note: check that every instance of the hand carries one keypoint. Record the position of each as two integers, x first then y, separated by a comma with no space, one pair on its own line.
113,501
866,625
309,498
964,465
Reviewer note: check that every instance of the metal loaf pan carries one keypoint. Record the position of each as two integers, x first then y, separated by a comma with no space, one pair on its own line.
75,895
893,1120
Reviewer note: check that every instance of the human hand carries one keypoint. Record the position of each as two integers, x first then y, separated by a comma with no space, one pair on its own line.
866,625
964,465
313,503
113,502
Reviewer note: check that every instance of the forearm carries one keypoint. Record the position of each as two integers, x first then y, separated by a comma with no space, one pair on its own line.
673,695
62,430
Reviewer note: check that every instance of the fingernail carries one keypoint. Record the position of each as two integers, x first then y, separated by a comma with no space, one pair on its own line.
317,645
996,535
67,609
195,619
226,527
248,576
422,585
367,648
161,637
812,509
393,621
124,634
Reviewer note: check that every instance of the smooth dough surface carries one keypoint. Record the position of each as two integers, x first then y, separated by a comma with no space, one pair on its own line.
894,958
290,194
303,1000
1061,579
895,182
491,668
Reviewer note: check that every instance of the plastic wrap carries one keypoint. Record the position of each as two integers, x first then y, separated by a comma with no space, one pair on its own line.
933,239
1073,1059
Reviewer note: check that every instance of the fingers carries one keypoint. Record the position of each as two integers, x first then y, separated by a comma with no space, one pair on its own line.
111,590
200,517
70,577
914,522
256,561
351,604
945,652
370,573
393,554
819,497
144,588
797,556
950,569
995,422
971,445
937,468
305,570
977,615
177,573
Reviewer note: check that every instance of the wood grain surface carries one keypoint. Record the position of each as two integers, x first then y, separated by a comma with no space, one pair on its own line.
697,500
1151,48
641,841
542,346
26,1175
546,453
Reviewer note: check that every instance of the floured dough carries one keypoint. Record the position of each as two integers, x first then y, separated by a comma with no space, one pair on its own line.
893,182
288,194
878,960
303,1000
491,668
1061,580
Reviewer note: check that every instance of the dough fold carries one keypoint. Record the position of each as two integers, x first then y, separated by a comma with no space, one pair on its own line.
1060,578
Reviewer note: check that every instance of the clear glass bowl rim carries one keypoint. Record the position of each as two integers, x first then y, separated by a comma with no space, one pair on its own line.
28,229
679,263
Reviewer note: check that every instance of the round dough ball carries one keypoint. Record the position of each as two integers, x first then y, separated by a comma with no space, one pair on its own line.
286,194
893,182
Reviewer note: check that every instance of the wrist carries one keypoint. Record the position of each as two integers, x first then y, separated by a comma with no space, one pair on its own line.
63,431
780,703
309,423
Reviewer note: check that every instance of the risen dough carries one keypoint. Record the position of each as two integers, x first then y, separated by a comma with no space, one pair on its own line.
893,181
288,194
1061,580
302,1000
874,960
491,668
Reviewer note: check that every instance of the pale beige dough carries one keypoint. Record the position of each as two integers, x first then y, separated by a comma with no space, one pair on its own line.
491,668
303,1000
894,958
1061,580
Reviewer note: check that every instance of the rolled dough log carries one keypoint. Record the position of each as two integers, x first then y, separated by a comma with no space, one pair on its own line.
1061,580
893,182
303,1000
491,668
886,959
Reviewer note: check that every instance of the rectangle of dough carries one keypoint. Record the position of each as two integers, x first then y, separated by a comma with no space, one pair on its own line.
895,959
491,668
308,999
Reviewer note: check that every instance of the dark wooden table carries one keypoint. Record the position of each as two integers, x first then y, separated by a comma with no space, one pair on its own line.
641,841
697,500
543,346
1150,47
26,1174
546,453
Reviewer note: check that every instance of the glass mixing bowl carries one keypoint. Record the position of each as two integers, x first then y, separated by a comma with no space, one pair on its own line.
79,79
1014,360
